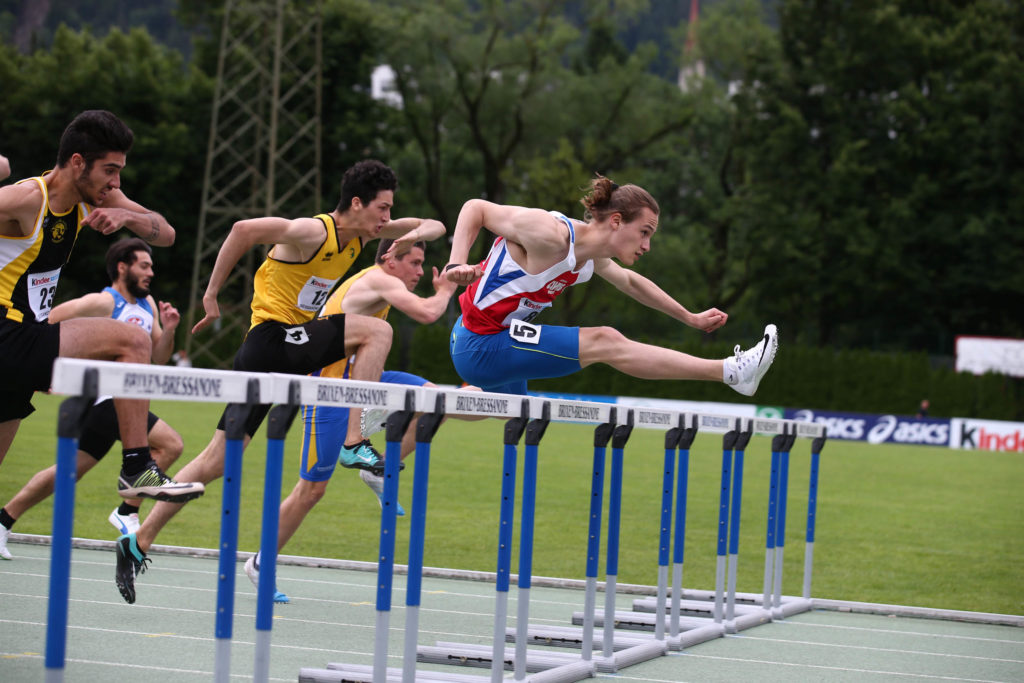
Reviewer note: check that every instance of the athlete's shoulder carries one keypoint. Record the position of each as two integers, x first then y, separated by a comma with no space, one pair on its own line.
20,205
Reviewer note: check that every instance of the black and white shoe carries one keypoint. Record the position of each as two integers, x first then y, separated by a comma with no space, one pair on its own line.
744,370
154,484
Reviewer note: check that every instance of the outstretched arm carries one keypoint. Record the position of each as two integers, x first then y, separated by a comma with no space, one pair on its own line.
120,212
368,293
95,305
411,230
645,291
532,232
296,236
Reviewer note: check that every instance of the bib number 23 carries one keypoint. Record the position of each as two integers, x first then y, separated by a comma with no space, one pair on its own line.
524,332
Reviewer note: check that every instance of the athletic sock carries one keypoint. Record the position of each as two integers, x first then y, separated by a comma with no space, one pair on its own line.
256,562
134,460
6,519
126,509
730,374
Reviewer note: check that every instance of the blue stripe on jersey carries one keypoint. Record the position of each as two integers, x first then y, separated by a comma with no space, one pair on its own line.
496,279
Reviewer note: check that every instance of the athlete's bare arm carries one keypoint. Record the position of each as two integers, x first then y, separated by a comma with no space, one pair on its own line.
95,305
5,167
294,240
411,230
165,321
536,239
373,291
19,207
120,212
645,291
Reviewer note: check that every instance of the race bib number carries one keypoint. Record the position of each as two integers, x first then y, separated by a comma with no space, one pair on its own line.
41,288
296,335
314,293
526,311
524,332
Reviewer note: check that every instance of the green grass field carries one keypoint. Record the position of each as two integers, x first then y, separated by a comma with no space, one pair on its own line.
896,524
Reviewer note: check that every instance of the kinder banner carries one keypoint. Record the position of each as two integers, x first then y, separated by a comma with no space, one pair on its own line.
878,428
988,435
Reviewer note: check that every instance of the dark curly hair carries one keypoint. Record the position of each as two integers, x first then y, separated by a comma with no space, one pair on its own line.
364,180
94,133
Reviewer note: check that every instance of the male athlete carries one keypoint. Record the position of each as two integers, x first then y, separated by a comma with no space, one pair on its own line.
40,219
130,267
372,291
309,256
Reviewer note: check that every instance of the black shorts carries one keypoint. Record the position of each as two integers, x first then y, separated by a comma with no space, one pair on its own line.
100,429
274,346
27,352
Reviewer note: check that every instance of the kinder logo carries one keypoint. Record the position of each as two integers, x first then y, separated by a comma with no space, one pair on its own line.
890,428
838,426
976,436
40,280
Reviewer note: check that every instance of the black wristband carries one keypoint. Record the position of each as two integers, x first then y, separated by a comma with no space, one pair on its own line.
452,265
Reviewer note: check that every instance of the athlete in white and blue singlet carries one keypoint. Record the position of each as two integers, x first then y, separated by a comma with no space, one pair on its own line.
536,256
127,299
40,219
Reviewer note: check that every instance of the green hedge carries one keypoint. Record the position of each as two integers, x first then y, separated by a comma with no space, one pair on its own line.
803,377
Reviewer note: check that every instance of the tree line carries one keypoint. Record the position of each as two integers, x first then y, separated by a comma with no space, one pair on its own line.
853,172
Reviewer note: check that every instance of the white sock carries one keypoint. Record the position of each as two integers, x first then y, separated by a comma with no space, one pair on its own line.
730,374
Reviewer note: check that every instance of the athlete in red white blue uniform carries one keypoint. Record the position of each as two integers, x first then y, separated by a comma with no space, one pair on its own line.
536,256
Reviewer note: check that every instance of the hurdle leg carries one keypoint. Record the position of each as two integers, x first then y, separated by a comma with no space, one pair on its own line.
426,428
69,426
686,437
602,434
773,499
728,441
780,527
534,432
812,508
397,423
668,472
743,437
280,420
612,553
513,432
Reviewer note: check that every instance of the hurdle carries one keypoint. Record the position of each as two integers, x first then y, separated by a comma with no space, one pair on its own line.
83,380
524,415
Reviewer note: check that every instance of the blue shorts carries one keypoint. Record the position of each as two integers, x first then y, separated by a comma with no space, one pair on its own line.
497,362
324,429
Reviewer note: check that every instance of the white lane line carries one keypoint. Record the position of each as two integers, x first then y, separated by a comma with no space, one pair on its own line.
903,633
121,665
877,649
839,668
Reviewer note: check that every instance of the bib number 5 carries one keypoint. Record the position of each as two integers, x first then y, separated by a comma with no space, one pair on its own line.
524,332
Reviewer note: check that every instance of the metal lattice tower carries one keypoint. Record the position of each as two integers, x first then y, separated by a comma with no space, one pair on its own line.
263,155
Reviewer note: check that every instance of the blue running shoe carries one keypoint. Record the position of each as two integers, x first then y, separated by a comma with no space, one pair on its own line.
362,456
130,563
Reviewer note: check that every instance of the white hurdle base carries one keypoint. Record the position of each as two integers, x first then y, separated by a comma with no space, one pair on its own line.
359,673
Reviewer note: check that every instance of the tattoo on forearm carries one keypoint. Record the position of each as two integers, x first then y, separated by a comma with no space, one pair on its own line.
155,232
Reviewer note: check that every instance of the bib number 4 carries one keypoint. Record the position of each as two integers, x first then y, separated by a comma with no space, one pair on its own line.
524,332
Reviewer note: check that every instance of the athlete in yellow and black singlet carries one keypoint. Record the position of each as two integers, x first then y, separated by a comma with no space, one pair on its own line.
30,268
285,335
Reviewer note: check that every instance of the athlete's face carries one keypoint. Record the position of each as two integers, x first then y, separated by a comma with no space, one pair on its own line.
632,240
376,213
95,182
408,268
139,275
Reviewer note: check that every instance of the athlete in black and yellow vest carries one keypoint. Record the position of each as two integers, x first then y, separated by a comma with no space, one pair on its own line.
308,257
40,219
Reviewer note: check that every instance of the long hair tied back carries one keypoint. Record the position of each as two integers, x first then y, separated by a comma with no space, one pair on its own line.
606,198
